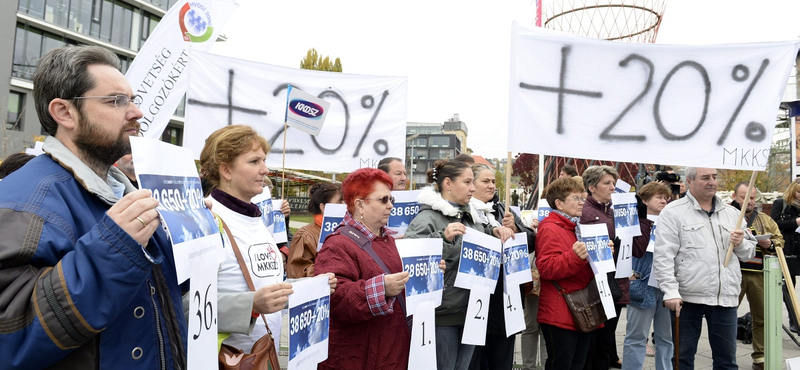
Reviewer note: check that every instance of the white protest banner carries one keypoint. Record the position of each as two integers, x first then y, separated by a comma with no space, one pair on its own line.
309,313
304,111
331,218
516,210
366,121
479,264
711,105
596,239
516,261
475,322
405,209
626,215
622,186
422,354
543,209
601,280
513,315
624,261
425,280
173,178
527,216
264,203
279,222
157,73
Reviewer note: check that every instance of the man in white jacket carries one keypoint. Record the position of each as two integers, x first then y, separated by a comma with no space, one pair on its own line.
692,240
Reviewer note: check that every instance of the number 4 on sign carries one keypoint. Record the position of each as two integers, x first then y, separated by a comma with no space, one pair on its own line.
422,354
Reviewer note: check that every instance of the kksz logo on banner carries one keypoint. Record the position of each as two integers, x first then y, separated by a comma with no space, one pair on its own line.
304,111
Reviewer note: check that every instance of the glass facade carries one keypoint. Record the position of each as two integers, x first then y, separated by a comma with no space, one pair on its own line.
15,104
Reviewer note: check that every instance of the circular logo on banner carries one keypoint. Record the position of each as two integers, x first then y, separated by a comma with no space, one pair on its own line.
195,22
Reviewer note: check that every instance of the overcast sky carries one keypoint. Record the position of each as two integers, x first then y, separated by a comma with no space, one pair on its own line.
456,53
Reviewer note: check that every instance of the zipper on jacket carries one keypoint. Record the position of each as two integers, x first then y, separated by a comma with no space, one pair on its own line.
161,354
716,251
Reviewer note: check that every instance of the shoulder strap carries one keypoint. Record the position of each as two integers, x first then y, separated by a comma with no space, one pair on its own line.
366,245
242,266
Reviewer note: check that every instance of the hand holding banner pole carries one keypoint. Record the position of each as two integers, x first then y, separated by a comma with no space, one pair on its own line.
741,216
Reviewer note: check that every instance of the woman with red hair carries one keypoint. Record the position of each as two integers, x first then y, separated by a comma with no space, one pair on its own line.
368,328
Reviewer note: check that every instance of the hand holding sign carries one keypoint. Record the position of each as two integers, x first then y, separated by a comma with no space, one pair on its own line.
395,283
271,298
136,214
580,250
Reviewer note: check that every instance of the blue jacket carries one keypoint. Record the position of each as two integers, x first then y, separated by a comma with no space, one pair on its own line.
77,290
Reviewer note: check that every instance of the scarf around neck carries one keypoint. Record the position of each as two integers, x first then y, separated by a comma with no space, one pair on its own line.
574,220
483,212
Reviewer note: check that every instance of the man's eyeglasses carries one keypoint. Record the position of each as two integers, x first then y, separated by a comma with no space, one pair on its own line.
383,200
120,101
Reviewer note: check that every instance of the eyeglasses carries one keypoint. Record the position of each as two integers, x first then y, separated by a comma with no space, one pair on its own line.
577,199
120,101
384,200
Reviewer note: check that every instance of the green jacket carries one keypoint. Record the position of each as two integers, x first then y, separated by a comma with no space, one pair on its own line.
434,216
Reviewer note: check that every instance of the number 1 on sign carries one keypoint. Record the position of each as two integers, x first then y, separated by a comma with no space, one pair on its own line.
422,354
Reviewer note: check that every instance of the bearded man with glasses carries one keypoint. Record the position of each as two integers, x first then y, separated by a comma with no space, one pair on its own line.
88,275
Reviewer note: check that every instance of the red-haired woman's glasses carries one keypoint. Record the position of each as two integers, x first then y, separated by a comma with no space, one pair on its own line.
383,200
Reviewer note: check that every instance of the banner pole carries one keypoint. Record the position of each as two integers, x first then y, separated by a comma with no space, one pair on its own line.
508,182
283,164
741,216
787,277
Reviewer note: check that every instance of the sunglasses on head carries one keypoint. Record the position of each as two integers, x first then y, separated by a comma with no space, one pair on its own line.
384,200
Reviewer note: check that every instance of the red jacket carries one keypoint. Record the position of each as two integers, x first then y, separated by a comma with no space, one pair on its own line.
359,340
556,261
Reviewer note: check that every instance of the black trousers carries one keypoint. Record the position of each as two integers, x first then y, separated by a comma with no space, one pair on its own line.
566,349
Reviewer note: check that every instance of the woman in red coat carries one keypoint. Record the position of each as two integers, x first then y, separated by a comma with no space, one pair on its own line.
368,328
561,258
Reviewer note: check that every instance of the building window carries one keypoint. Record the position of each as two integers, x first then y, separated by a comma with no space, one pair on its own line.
80,15
439,142
14,117
172,135
29,46
163,4
149,23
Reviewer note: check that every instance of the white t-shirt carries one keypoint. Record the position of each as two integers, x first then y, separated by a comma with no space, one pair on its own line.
263,260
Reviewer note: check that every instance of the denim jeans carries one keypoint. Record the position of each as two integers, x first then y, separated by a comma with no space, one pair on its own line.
637,331
566,349
721,322
451,354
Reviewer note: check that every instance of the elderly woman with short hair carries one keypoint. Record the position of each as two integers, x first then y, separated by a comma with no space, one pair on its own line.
368,328
600,183
561,258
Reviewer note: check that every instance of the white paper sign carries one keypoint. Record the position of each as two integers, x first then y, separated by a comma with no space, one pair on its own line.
512,308
596,239
172,176
516,210
624,258
516,261
626,215
477,312
479,263
543,209
793,363
422,354
652,243
304,111
309,322
264,203
366,120
711,105
528,216
279,222
331,218
405,209
605,295
622,186
651,281
157,74
202,337
426,281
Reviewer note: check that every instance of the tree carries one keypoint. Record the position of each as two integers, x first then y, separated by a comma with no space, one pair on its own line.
500,182
314,61
526,166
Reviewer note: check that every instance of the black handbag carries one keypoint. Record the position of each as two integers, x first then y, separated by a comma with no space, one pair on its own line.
585,306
